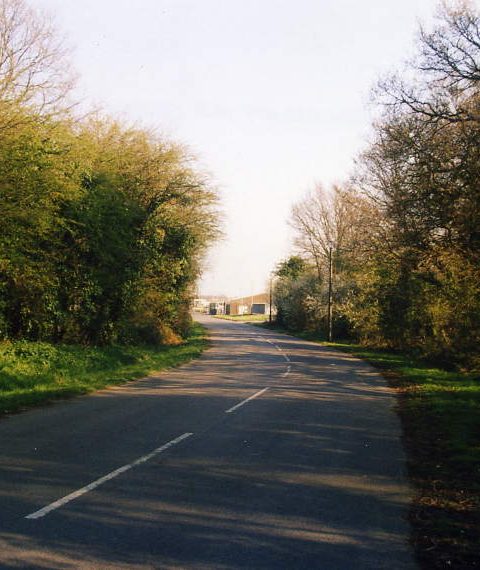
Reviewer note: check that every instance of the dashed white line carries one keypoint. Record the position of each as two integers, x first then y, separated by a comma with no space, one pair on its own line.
289,369
285,356
229,411
94,484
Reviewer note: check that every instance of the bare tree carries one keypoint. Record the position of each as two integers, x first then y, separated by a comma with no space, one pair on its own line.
446,70
338,221
34,70
312,221
450,54
334,231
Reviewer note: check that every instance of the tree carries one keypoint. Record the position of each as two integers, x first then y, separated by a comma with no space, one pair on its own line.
422,171
332,233
138,235
37,179
34,69
103,232
103,226
292,267
295,295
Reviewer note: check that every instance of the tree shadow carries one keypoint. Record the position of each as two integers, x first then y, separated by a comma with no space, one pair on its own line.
310,475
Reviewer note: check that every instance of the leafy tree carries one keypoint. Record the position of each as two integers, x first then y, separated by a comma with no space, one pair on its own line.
291,268
295,295
104,226
36,179
422,171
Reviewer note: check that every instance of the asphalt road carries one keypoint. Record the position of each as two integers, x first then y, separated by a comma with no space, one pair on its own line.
267,452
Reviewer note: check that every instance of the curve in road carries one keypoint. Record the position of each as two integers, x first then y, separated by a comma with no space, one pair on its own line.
267,452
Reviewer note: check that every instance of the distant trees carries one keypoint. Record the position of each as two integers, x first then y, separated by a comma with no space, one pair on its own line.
332,238
294,291
406,236
103,226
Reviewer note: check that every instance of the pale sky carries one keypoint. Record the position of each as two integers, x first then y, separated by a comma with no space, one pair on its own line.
272,96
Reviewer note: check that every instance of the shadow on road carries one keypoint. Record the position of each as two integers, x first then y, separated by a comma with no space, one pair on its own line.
310,475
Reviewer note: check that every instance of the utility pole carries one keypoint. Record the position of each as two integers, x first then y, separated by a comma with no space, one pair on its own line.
251,297
330,300
270,306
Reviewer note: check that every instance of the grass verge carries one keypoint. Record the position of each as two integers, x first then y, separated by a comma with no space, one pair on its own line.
244,318
32,373
440,414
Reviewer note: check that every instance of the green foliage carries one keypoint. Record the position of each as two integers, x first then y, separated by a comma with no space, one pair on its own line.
423,168
99,252
103,226
291,268
297,296
103,232
405,239
36,179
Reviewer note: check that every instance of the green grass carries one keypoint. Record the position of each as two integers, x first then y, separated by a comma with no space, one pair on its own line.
440,414
244,318
450,398
32,373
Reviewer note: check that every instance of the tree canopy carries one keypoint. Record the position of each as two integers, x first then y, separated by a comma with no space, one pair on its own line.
104,226
405,232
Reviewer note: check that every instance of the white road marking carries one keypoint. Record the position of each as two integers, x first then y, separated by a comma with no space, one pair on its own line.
64,500
94,484
285,374
285,356
245,401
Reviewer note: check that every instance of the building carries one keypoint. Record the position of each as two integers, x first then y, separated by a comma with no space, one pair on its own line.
210,304
251,305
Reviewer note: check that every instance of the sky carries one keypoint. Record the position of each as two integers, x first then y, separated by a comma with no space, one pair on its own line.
272,96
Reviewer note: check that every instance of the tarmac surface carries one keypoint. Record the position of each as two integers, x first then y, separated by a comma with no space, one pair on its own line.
267,452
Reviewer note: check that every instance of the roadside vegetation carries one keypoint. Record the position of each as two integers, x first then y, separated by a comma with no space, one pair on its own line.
392,257
390,261
103,225
33,373
103,230
440,414
244,318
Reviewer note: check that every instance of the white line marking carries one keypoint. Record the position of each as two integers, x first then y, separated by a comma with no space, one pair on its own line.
245,401
64,500
285,374
278,348
285,356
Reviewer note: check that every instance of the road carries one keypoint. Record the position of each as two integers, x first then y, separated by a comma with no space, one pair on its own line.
267,452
